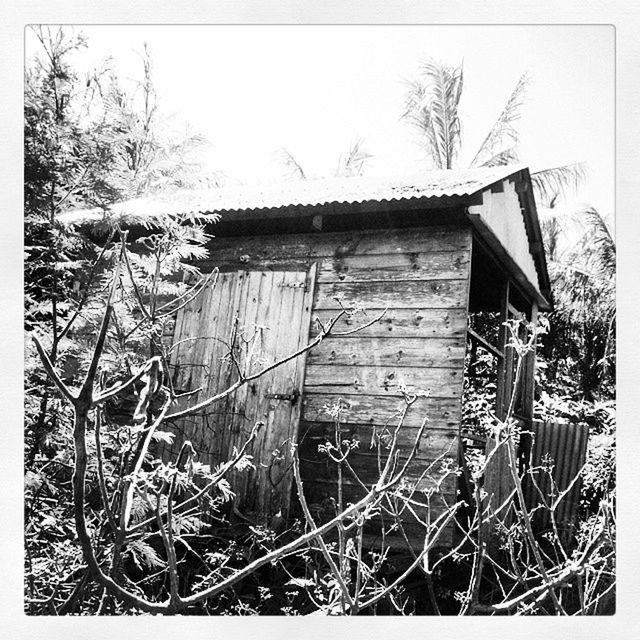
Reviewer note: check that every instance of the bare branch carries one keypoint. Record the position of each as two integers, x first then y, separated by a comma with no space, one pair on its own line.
86,390
446,517
227,392
85,295
130,481
309,518
188,296
101,480
53,374
118,388
341,334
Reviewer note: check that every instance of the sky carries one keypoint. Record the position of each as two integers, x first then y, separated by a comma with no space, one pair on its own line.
314,90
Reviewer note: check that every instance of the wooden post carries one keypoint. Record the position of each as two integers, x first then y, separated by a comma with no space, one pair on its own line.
501,402
529,371
528,397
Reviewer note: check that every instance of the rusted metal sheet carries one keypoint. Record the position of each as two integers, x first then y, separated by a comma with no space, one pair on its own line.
558,453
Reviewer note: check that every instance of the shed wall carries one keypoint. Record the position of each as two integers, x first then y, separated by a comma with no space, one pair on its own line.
422,277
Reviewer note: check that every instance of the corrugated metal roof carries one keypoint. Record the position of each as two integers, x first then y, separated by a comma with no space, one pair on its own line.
446,183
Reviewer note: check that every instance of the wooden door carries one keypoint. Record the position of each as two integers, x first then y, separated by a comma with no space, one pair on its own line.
266,315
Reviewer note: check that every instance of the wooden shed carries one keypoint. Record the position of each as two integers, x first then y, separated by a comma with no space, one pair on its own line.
430,250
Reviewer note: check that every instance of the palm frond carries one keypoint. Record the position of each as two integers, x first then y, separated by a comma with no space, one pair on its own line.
548,184
508,156
557,226
294,169
431,106
352,163
583,281
503,132
599,244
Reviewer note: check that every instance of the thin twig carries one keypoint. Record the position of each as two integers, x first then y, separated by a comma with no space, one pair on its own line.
101,479
337,573
53,374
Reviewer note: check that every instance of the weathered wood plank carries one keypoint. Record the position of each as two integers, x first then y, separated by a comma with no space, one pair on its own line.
322,497
275,308
406,352
322,500
253,310
421,475
368,472
442,413
266,479
383,380
399,323
219,374
372,440
441,265
198,361
260,252
364,431
321,491
416,294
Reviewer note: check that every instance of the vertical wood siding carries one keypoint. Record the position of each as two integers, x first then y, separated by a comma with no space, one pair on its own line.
273,309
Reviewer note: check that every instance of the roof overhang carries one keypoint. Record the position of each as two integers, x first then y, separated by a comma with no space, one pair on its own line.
367,202
524,188
446,188
510,265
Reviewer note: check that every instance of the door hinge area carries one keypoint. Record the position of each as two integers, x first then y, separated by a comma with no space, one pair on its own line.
289,397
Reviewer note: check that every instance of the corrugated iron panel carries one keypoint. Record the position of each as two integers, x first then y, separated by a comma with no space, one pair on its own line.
561,449
557,455
435,184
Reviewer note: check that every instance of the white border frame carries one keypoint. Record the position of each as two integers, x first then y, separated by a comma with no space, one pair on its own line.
624,16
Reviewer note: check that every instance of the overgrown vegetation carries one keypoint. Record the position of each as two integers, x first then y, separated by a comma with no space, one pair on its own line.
111,527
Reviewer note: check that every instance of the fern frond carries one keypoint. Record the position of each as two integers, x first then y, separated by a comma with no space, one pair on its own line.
163,436
139,509
144,555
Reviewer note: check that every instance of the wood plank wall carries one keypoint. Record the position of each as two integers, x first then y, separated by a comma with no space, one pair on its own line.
422,276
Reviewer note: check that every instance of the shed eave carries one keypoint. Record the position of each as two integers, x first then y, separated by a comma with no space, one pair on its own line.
534,230
445,186
514,269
